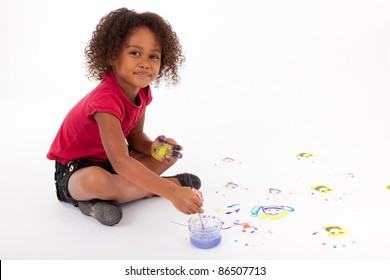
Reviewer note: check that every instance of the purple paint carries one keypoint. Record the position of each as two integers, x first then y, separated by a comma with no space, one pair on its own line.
236,210
205,244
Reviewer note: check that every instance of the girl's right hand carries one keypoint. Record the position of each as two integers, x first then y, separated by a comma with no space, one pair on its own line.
187,201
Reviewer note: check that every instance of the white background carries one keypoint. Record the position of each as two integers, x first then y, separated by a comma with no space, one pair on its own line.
263,80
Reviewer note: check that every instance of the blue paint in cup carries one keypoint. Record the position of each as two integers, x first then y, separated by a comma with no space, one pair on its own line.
206,236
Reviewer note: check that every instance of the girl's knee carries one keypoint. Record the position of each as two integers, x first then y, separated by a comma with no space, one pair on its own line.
93,182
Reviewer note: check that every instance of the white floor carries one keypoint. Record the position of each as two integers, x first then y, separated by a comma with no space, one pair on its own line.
36,226
284,79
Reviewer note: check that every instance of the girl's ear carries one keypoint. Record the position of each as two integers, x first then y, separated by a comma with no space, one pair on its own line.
111,61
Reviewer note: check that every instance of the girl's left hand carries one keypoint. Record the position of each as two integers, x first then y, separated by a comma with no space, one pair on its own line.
166,149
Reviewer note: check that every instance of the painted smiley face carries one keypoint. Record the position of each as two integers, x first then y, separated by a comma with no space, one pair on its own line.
322,189
231,185
335,230
274,191
249,228
271,212
304,155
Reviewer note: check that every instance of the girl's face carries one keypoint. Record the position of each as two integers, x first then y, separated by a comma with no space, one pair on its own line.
138,62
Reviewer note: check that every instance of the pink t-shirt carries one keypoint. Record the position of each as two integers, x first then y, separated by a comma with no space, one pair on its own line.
78,136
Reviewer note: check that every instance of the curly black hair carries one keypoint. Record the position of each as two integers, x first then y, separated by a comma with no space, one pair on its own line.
112,32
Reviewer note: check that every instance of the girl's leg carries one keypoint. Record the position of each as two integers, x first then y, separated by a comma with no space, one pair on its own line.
95,182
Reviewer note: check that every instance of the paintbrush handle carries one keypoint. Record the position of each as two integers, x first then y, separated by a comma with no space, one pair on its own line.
201,221
201,198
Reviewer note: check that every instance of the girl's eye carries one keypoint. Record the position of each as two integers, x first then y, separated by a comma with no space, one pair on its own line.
154,56
138,54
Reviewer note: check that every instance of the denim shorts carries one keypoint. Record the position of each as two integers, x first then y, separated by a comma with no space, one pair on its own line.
63,173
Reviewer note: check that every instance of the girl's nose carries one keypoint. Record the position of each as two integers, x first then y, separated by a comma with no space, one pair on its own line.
143,65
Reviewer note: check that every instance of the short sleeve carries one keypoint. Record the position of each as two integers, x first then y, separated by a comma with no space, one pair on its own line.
105,102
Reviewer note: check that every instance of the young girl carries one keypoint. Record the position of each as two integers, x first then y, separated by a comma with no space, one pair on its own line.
102,155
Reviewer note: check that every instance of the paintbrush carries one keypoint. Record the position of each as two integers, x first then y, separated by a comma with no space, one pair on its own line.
200,216
201,221
193,190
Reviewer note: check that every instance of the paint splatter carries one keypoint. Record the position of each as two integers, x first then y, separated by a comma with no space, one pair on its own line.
235,223
327,193
230,206
245,244
230,209
336,246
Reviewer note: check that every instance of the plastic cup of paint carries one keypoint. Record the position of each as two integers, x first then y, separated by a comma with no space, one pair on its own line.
207,235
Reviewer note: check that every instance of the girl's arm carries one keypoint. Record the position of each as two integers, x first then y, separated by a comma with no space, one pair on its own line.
135,172
138,140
